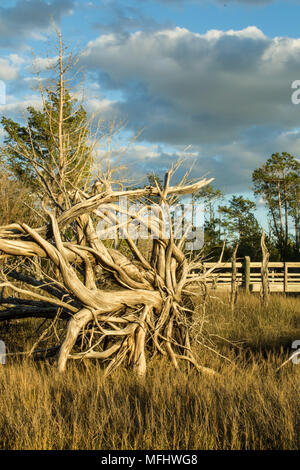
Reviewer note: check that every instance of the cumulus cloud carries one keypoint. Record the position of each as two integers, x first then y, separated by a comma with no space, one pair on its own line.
15,108
221,91
184,85
101,108
231,163
8,71
29,18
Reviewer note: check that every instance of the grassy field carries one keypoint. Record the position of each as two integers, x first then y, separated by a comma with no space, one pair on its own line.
250,406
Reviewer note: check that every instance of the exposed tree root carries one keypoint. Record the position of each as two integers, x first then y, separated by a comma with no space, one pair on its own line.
143,312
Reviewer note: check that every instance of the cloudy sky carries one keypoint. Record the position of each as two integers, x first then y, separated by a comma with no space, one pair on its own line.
215,75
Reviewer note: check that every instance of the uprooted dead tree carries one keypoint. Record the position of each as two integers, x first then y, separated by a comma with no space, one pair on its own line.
118,305
144,306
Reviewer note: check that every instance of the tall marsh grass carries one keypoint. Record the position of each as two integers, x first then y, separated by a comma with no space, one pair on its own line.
250,406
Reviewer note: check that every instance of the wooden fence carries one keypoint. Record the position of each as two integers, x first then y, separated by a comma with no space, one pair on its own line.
283,277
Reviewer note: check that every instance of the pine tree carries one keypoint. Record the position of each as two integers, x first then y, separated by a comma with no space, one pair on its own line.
278,182
53,152
241,226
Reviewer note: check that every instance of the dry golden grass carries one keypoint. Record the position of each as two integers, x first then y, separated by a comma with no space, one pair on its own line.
249,407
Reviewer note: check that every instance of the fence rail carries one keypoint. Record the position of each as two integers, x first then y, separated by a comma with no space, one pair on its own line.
283,276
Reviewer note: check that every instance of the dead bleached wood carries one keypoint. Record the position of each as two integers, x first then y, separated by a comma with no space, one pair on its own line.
141,310
92,203
293,357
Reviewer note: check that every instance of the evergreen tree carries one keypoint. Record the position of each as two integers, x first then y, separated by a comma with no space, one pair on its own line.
241,226
278,182
210,196
40,136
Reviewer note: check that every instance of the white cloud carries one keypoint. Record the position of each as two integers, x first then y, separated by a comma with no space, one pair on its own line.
226,92
29,19
8,69
103,109
42,64
16,107
16,60
232,78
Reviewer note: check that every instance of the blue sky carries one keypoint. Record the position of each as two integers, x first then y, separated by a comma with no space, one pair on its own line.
212,74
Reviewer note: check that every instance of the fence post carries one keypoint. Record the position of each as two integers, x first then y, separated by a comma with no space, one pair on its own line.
2,352
247,274
285,277
265,287
233,294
